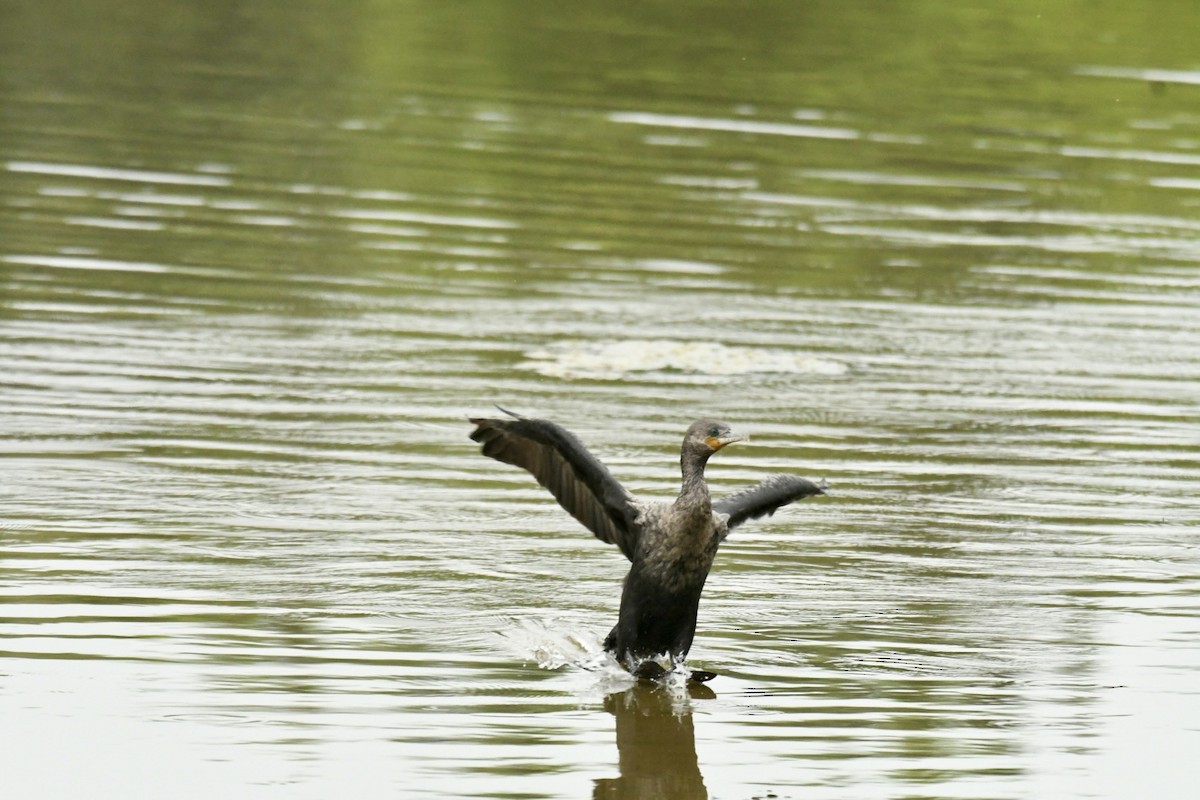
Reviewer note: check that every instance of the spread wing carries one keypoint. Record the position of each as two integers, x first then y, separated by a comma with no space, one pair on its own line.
561,463
773,493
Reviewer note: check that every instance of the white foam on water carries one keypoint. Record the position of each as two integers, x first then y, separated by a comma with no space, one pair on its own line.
614,359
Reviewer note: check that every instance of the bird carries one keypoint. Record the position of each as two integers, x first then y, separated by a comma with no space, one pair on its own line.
670,545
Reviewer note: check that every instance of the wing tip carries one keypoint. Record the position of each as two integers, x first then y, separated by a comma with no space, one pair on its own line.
815,487
500,408
481,423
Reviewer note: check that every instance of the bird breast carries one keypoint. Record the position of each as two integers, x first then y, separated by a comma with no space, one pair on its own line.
677,547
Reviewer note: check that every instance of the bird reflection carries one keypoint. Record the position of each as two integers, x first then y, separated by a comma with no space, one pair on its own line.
656,744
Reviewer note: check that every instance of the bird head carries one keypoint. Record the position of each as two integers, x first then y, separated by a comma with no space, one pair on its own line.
711,435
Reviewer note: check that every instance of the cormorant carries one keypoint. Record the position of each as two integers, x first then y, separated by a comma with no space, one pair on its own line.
670,545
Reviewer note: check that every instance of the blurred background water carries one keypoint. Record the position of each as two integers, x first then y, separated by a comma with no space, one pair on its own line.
258,262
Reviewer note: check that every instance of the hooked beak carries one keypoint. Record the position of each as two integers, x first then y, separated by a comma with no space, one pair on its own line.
717,442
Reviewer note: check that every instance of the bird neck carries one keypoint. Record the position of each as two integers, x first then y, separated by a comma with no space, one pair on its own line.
694,491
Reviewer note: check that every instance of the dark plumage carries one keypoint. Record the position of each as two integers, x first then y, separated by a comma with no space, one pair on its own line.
670,545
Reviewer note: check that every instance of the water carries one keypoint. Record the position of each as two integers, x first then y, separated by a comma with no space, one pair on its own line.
259,264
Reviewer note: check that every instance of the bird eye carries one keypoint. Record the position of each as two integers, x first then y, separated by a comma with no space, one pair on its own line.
714,432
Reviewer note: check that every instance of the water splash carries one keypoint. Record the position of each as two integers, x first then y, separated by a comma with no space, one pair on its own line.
552,644
615,359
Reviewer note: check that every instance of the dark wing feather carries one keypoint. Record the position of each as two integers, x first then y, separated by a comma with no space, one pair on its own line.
773,493
561,463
